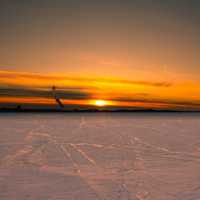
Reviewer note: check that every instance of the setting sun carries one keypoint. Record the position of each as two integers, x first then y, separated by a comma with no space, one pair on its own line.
100,103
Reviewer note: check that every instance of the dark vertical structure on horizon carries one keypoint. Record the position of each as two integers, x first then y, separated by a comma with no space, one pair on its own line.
58,101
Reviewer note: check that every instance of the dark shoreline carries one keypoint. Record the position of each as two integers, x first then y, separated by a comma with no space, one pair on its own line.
93,111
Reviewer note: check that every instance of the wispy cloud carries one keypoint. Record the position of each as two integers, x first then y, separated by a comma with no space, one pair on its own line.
167,102
125,93
13,78
24,92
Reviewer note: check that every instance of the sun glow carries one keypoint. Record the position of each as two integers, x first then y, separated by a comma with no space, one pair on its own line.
100,103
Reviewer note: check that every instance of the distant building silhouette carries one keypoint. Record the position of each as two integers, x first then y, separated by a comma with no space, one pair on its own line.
19,107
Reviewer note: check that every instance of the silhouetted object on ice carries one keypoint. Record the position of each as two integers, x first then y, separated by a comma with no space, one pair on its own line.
56,98
19,107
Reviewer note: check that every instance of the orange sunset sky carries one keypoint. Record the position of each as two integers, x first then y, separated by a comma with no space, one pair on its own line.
135,54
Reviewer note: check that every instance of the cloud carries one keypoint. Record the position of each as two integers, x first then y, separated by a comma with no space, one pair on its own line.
121,102
23,92
23,85
12,78
165,102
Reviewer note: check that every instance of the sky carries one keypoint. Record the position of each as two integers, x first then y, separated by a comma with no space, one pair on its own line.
129,53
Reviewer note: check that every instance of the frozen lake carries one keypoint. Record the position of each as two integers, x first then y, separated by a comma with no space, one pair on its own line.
103,156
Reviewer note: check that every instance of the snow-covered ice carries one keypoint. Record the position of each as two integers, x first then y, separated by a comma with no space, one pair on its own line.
104,156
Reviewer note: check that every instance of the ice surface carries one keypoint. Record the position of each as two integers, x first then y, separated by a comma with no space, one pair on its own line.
104,156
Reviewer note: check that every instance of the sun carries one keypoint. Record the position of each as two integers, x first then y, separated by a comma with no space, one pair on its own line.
100,103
